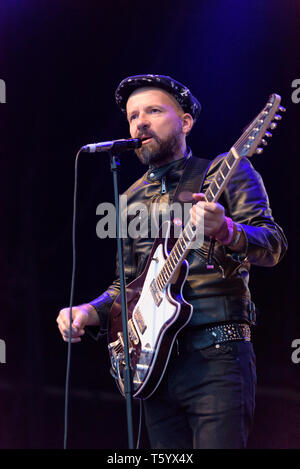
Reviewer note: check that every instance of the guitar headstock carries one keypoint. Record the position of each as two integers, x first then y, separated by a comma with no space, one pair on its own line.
254,134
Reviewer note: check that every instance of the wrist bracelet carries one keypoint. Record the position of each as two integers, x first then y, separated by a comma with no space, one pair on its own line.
237,236
218,235
230,228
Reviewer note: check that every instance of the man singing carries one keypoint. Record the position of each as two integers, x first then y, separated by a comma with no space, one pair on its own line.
206,397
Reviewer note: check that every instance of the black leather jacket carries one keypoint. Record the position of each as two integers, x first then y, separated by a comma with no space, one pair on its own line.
220,294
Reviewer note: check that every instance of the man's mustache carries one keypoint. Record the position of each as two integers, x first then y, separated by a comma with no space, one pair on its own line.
145,135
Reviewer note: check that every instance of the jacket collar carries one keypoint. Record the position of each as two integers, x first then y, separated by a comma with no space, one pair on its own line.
170,169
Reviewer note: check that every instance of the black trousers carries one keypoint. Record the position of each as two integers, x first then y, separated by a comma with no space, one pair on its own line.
206,399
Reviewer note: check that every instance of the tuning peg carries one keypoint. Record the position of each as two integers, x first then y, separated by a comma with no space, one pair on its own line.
264,142
259,151
278,117
273,125
282,109
268,134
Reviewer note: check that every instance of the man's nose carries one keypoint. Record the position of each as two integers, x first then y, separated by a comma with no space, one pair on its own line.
143,122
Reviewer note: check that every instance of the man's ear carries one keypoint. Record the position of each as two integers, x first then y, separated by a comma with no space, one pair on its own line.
187,123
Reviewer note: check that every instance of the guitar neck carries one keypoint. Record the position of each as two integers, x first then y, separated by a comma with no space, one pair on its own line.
246,145
188,235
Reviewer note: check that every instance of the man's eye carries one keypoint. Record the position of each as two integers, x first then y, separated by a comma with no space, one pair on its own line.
155,110
134,116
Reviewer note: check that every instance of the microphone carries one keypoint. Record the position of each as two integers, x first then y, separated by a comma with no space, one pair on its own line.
118,146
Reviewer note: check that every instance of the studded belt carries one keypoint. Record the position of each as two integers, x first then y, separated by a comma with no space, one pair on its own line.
232,331
197,338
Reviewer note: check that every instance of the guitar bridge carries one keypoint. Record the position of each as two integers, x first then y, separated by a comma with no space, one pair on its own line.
117,347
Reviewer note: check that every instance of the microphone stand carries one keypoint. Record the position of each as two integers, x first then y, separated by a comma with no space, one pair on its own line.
115,164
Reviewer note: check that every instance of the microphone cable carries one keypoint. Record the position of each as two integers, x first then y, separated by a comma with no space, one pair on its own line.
140,425
67,385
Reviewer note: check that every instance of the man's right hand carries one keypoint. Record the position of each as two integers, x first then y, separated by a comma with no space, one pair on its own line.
82,315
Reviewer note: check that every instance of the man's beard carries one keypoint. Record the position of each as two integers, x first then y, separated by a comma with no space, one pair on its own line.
160,151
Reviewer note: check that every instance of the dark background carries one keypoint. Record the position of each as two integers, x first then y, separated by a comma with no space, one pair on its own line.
61,61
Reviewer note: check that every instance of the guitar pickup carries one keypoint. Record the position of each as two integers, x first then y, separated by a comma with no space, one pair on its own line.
155,293
132,332
140,320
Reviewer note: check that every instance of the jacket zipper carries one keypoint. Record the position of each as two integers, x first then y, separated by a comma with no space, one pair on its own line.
204,254
163,186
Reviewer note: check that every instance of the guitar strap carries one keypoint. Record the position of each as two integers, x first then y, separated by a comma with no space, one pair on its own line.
191,180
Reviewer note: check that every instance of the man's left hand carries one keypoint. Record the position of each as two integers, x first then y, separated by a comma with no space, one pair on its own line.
214,215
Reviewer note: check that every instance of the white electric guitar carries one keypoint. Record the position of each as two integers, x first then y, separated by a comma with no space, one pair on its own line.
157,310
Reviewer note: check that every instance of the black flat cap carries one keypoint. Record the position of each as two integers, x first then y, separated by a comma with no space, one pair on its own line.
180,92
